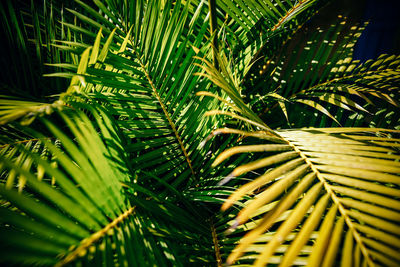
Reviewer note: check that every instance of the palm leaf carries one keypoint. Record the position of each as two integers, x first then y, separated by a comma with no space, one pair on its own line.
23,110
352,170
10,151
29,30
87,214
73,200
358,82
247,26
322,74
115,171
150,92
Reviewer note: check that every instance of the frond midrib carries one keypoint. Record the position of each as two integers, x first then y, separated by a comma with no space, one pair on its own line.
216,243
87,242
168,117
336,200
288,13
26,141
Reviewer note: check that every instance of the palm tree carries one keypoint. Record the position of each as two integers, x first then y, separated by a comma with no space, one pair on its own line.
172,108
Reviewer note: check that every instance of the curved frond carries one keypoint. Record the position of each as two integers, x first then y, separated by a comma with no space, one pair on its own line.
377,79
29,30
11,150
340,183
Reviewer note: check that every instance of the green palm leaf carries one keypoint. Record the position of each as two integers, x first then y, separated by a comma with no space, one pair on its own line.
23,110
91,216
10,151
321,74
150,92
247,26
349,171
88,207
118,170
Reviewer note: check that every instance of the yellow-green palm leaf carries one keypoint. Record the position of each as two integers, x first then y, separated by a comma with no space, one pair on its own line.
333,185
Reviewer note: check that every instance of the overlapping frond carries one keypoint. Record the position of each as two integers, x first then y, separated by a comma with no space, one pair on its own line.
253,22
84,209
320,73
24,111
372,80
317,52
12,139
310,190
117,170
29,29
144,75
244,28
92,212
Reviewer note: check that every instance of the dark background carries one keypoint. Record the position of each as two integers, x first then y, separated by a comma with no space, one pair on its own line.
382,34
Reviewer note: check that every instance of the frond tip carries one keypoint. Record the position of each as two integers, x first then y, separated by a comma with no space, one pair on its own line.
27,111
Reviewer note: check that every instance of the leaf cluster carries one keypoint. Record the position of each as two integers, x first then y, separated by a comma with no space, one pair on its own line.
131,122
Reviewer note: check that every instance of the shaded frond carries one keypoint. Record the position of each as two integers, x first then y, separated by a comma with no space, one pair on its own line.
322,74
16,146
248,26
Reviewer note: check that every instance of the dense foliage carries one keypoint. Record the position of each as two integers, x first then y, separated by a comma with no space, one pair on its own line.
125,125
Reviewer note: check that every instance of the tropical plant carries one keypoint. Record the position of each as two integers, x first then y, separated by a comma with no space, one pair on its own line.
126,124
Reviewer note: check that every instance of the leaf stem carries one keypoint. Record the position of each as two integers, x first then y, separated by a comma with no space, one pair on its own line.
336,200
216,244
87,242
213,30
288,13
27,141
171,123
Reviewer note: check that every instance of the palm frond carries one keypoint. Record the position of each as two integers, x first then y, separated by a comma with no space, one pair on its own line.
227,80
322,74
29,30
248,26
84,208
354,171
357,82
87,215
147,82
118,170
12,139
